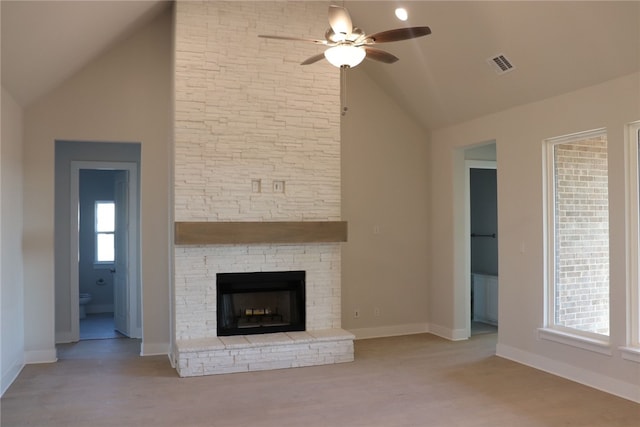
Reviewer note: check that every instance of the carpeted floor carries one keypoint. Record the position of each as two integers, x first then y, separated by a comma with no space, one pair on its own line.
418,380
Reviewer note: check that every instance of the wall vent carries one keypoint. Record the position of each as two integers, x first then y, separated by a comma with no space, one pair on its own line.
501,64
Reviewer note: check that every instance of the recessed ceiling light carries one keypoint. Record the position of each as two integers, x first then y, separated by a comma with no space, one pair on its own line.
401,13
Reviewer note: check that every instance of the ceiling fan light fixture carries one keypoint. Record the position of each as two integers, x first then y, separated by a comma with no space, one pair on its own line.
345,55
401,14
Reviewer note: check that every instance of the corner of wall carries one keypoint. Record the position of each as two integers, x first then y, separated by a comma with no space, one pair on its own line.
605,383
155,349
448,333
9,375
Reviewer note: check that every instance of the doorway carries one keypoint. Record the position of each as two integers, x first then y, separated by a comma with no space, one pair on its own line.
483,246
104,256
480,156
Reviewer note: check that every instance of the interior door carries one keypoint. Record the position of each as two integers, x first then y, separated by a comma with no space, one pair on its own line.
121,266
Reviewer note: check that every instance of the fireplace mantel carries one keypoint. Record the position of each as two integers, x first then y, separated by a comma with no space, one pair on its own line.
217,233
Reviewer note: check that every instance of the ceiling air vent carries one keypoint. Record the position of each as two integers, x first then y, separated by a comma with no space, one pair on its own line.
501,64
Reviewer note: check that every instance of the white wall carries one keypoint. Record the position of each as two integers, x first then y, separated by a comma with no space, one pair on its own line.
123,96
11,276
385,193
519,133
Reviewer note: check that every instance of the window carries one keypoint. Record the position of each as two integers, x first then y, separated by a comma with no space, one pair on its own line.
105,227
633,233
578,234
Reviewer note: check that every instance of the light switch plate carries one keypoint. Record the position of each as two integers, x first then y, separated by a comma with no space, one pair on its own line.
256,186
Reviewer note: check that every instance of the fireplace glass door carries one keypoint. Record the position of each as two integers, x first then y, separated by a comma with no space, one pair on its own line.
261,302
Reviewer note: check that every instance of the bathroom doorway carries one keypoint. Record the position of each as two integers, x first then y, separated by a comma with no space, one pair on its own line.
72,157
104,279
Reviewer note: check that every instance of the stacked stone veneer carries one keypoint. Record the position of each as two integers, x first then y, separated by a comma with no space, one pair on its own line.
582,235
246,111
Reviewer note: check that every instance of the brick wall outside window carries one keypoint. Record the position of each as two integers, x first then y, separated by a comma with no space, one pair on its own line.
582,235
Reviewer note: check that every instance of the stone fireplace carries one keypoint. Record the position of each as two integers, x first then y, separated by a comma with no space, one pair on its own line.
256,183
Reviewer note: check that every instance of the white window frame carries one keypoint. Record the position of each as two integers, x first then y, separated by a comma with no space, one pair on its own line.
551,331
96,262
632,136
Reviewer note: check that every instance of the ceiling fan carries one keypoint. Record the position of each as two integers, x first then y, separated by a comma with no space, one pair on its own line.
349,45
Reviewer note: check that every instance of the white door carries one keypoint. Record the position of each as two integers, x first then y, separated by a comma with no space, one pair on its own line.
121,266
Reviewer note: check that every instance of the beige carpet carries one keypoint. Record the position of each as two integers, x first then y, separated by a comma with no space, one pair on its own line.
418,380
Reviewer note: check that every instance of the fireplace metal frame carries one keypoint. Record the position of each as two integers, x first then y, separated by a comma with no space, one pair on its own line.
232,283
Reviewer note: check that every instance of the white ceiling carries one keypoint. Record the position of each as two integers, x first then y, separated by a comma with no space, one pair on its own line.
441,79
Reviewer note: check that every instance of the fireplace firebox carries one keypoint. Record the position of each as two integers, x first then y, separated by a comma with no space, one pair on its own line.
260,302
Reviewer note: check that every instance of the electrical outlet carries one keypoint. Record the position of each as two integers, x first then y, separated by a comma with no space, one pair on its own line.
356,313
278,186
376,312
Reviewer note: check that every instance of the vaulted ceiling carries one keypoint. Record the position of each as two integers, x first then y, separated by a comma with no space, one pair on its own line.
441,79
45,42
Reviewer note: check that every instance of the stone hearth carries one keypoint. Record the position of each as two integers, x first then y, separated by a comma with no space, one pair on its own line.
263,352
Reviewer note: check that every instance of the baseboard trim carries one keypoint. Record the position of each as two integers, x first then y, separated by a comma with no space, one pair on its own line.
448,333
40,356
10,376
172,359
64,337
154,349
583,376
390,331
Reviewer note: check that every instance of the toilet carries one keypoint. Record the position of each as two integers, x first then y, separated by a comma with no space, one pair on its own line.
84,299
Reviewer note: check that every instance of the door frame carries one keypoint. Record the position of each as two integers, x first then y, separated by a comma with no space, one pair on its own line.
133,270
468,165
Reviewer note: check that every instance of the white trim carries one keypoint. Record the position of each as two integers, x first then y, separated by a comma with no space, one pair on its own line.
572,137
632,219
595,345
40,356
583,376
448,333
630,353
548,232
390,331
155,349
74,279
134,277
65,337
10,375
468,165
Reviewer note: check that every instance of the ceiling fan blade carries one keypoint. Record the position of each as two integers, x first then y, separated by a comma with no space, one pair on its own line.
296,39
340,20
314,58
398,34
380,55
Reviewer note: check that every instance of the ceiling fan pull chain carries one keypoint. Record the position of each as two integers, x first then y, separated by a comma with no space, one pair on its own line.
343,90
